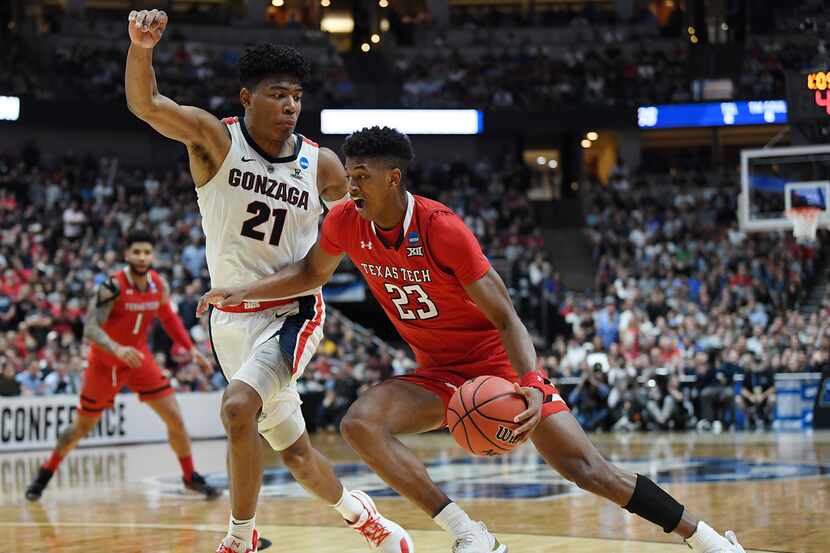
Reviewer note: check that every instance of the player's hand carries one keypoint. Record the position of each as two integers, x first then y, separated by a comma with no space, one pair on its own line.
146,27
220,297
532,415
199,359
131,356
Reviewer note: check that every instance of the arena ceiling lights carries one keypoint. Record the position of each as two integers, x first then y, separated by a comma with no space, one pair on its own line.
9,108
409,121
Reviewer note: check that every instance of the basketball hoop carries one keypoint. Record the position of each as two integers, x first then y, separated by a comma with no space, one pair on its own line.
805,222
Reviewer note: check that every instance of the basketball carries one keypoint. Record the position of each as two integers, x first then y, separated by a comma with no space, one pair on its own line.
480,415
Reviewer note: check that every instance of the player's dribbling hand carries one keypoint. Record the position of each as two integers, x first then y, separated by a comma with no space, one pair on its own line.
532,415
199,359
220,297
146,27
131,356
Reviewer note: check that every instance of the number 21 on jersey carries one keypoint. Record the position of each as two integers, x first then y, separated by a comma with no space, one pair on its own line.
424,309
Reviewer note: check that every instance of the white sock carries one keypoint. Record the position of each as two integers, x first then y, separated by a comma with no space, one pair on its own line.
348,506
242,529
453,519
705,539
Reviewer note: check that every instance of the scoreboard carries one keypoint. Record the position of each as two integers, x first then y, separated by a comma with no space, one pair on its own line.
808,96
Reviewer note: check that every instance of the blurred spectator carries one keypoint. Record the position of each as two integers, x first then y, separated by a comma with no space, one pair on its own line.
341,391
667,407
589,400
757,397
65,379
9,385
31,380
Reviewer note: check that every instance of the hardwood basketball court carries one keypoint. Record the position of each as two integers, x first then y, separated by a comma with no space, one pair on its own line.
772,489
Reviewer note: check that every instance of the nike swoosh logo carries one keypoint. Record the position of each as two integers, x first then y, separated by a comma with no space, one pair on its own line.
245,160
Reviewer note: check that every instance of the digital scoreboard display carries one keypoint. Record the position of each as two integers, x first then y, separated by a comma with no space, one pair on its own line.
808,95
712,114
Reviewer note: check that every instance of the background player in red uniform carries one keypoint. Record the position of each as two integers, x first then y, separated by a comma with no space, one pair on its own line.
119,319
427,270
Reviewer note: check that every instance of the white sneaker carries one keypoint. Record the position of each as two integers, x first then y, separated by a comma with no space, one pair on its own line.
381,534
728,544
232,544
734,546
478,539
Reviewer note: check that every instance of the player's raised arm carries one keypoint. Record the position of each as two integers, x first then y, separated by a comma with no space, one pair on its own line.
99,310
187,124
315,269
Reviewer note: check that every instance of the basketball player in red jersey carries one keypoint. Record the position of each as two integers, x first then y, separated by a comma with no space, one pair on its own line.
427,270
118,322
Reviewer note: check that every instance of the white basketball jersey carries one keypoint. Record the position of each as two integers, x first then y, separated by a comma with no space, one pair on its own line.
259,213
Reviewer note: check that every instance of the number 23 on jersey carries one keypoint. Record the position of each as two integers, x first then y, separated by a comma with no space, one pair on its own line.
423,308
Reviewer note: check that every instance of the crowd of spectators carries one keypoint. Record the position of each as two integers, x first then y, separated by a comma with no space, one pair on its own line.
513,74
72,68
683,302
606,63
62,221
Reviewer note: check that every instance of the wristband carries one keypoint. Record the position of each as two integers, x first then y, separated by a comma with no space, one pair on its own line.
534,380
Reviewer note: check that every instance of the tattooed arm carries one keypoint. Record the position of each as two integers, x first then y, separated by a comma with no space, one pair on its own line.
97,314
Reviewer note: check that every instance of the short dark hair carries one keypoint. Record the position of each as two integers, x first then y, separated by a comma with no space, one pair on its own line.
139,235
266,60
380,142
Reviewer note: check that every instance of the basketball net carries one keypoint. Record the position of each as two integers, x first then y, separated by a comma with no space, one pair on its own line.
805,222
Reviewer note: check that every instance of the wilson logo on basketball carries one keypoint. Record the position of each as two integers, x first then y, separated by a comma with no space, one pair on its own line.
506,435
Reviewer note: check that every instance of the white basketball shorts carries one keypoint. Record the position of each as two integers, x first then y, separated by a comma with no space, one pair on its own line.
269,350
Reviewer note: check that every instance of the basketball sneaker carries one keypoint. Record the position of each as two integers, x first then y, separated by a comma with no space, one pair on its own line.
381,534
198,484
478,539
232,544
728,543
35,489
733,542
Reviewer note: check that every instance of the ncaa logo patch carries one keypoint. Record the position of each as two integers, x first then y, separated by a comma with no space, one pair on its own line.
413,238
304,162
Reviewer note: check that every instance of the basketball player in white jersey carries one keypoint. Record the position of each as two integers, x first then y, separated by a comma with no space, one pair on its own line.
260,190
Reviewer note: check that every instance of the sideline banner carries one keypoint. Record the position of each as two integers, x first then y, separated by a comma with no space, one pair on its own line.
35,422
795,396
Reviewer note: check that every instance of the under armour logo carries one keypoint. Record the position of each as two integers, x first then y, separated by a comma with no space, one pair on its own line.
365,245
415,251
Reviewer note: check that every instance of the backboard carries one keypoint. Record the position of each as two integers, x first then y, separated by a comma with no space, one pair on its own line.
774,180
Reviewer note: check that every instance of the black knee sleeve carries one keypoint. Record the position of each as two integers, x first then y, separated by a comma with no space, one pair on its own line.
655,505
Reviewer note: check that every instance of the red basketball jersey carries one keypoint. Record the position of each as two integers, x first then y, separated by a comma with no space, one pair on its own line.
418,280
132,315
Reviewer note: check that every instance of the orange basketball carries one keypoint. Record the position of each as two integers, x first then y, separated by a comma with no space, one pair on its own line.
480,415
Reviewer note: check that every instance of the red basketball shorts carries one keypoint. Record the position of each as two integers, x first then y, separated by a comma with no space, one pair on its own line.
444,381
103,380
